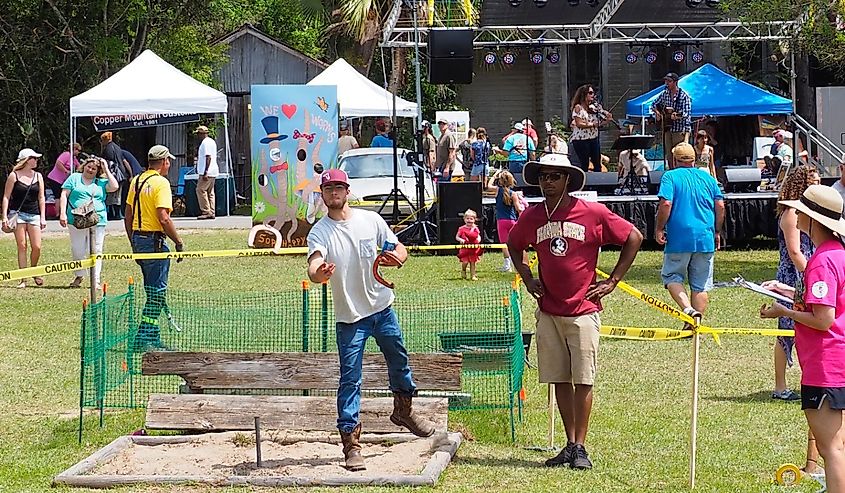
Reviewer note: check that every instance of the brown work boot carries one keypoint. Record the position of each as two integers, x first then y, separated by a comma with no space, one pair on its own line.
403,415
352,449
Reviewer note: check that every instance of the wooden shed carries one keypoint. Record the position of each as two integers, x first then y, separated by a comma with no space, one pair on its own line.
256,58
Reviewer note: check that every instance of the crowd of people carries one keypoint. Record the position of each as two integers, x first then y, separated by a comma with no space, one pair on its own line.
566,232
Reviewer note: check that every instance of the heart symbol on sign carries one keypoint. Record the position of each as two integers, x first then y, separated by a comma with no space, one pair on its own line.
289,110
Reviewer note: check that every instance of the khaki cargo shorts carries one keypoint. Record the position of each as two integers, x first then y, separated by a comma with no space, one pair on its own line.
567,348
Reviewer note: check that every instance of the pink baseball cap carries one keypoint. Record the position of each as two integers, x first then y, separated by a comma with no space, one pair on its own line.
334,176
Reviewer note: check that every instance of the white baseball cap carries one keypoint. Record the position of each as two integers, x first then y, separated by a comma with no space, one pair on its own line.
27,153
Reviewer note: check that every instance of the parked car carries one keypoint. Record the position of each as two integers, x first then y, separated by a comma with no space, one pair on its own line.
370,173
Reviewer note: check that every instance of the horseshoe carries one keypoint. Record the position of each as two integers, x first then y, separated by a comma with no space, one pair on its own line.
388,259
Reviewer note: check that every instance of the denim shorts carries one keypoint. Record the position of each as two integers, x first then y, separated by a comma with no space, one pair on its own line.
27,218
696,267
478,170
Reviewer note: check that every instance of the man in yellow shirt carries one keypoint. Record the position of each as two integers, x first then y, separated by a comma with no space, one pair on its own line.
147,222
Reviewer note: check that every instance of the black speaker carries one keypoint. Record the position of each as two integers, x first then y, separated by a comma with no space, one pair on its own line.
654,178
454,198
450,43
602,183
447,229
450,56
742,179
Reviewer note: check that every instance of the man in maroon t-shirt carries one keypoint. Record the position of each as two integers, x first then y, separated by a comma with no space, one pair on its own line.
567,234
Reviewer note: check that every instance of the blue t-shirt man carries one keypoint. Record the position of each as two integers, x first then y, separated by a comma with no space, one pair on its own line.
691,227
381,141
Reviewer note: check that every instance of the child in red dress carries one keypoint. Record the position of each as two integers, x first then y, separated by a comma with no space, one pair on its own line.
469,234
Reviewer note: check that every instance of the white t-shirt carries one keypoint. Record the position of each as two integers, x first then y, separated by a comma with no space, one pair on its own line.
352,245
208,147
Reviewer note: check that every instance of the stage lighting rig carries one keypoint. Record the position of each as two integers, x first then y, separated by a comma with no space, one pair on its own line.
515,3
490,57
631,57
691,4
508,58
593,3
553,56
679,56
697,56
650,57
540,3
536,57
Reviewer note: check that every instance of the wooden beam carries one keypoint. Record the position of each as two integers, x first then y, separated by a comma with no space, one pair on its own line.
295,371
205,412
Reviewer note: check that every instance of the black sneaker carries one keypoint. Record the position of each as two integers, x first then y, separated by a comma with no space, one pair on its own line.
580,459
564,458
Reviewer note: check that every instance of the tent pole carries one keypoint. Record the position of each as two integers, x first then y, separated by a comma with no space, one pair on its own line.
228,159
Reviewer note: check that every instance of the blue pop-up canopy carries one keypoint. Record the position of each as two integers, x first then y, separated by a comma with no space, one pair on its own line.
716,93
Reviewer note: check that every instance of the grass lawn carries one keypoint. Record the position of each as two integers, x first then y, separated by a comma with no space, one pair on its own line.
640,425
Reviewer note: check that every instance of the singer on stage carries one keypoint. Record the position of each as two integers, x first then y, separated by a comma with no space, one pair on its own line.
672,112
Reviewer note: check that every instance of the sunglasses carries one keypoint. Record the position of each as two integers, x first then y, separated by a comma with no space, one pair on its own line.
554,176
591,92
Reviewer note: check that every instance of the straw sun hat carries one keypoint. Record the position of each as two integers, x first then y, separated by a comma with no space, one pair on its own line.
823,204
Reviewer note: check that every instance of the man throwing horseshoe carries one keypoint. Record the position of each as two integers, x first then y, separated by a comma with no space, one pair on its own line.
342,248
567,234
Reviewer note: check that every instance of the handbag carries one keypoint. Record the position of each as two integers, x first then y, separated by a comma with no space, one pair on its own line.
11,224
85,216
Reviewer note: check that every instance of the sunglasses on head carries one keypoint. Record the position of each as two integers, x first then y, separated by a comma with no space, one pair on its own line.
553,176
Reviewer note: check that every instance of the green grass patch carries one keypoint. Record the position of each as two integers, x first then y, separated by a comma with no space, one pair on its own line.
640,426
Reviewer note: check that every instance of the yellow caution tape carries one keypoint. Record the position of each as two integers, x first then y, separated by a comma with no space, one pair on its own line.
644,334
651,301
45,270
695,328
57,268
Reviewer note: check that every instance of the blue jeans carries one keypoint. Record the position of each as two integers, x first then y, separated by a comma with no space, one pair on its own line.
155,274
351,339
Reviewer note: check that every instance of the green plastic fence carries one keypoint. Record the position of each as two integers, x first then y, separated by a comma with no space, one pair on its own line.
483,324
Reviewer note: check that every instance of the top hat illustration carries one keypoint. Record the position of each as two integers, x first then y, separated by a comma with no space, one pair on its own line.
271,126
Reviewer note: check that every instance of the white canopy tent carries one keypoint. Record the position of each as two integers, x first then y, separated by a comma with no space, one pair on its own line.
358,96
149,85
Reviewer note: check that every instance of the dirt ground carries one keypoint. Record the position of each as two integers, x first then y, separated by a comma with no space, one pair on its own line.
221,455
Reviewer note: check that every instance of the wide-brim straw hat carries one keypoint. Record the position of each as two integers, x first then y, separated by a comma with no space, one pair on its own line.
822,203
560,161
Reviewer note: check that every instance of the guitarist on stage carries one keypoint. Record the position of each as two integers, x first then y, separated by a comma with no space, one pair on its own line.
672,110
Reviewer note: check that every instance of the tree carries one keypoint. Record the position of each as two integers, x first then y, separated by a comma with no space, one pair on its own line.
821,25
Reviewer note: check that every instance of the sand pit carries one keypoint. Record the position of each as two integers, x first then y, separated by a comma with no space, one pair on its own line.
287,459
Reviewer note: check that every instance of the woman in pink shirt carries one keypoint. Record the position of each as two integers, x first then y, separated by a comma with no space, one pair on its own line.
62,169
819,315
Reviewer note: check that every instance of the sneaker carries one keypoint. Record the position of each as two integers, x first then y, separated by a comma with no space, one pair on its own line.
786,395
505,268
580,459
564,458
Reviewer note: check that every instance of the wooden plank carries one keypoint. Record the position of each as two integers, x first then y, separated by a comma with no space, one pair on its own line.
205,412
88,464
295,371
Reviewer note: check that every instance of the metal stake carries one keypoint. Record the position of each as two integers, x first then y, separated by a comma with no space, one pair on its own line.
258,442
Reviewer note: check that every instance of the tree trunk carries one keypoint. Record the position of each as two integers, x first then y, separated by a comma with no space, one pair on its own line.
399,70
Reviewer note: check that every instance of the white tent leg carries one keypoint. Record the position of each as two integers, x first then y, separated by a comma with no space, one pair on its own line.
229,175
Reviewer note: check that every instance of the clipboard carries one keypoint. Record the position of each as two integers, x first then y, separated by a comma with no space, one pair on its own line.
761,290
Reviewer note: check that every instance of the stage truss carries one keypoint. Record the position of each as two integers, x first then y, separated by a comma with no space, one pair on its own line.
399,31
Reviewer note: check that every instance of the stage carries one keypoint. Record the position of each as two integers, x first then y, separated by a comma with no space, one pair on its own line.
747,215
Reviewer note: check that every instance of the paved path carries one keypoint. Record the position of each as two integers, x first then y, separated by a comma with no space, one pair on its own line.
182,223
